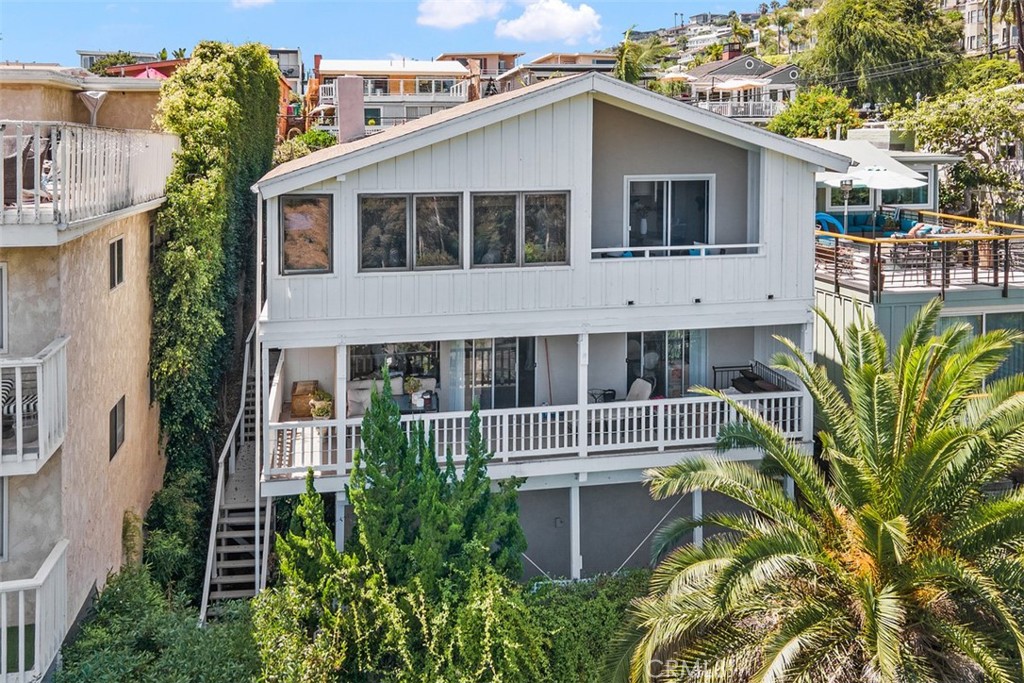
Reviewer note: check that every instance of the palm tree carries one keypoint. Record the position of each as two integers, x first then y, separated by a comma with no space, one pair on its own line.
632,59
894,566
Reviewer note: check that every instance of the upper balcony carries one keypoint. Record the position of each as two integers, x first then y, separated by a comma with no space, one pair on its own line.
33,408
416,89
60,178
930,252
751,109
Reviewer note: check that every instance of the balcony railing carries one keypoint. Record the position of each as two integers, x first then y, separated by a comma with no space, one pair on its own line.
755,109
408,88
33,408
546,432
33,619
60,173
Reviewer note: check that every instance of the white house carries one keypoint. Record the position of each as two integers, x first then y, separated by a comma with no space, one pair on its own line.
547,253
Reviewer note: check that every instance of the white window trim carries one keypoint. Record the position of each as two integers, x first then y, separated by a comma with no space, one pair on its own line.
712,198
520,263
278,208
4,305
124,268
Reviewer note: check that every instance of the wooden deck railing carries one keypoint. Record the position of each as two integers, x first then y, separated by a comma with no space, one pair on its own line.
524,434
61,173
34,407
33,619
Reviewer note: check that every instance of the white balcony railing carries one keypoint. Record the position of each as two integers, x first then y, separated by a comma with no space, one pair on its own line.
34,408
525,434
327,93
33,619
60,173
756,109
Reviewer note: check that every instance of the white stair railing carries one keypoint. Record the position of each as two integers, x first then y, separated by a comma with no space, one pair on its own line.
233,443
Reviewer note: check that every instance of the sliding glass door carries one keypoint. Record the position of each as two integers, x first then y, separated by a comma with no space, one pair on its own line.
671,361
669,213
496,373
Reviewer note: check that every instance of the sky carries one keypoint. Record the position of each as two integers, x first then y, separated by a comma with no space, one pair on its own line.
50,31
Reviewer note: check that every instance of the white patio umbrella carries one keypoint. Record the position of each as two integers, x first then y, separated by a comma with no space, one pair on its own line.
873,178
676,76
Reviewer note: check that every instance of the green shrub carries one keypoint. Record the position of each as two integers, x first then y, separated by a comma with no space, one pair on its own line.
136,634
317,139
581,620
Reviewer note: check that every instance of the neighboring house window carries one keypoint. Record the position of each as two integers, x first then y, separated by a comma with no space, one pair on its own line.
522,228
116,262
116,427
918,197
371,116
982,323
3,307
670,212
398,232
306,234
860,198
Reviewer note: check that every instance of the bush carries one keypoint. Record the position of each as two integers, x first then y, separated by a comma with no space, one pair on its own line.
581,620
814,113
301,145
136,634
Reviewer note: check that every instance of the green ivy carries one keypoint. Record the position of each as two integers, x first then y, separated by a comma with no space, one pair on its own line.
223,107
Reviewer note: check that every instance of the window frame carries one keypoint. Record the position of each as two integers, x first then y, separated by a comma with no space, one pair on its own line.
414,231
114,442
928,172
710,178
4,306
115,265
855,208
520,236
410,231
281,270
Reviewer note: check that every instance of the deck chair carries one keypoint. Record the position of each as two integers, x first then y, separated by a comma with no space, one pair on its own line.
640,390
8,402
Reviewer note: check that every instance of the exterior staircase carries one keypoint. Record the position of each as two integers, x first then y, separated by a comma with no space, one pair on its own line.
236,554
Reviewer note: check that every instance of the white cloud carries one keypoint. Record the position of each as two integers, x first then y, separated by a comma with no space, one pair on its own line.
552,20
246,4
456,13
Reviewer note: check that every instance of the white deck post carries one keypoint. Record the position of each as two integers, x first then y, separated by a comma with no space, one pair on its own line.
582,381
575,558
807,418
339,520
341,403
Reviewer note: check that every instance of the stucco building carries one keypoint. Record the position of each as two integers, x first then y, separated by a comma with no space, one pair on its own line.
82,177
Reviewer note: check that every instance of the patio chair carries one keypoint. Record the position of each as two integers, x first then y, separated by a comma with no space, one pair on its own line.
639,390
8,402
911,259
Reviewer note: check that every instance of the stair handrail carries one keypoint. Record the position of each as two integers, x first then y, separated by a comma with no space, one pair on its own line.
236,433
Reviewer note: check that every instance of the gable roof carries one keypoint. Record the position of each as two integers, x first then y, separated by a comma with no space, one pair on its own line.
342,158
708,68
388,67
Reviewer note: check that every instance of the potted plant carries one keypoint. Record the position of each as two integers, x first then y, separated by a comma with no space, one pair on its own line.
322,404
412,385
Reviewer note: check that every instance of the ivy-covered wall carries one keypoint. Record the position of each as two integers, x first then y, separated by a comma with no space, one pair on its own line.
223,106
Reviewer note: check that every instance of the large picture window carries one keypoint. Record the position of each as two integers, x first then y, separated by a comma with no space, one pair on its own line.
918,197
306,234
670,212
520,229
392,226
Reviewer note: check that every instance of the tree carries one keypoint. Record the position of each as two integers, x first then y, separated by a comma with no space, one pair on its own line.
162,55
739,32
632,59
895,565
977,123
417,521
180,53
814,113
883,50
120,58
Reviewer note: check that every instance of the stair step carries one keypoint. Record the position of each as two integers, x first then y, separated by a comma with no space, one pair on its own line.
232,595
237,548
235,534
233,579
227,507
237,519
232,564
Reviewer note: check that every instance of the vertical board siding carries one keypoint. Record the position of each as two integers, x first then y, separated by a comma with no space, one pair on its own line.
548,148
